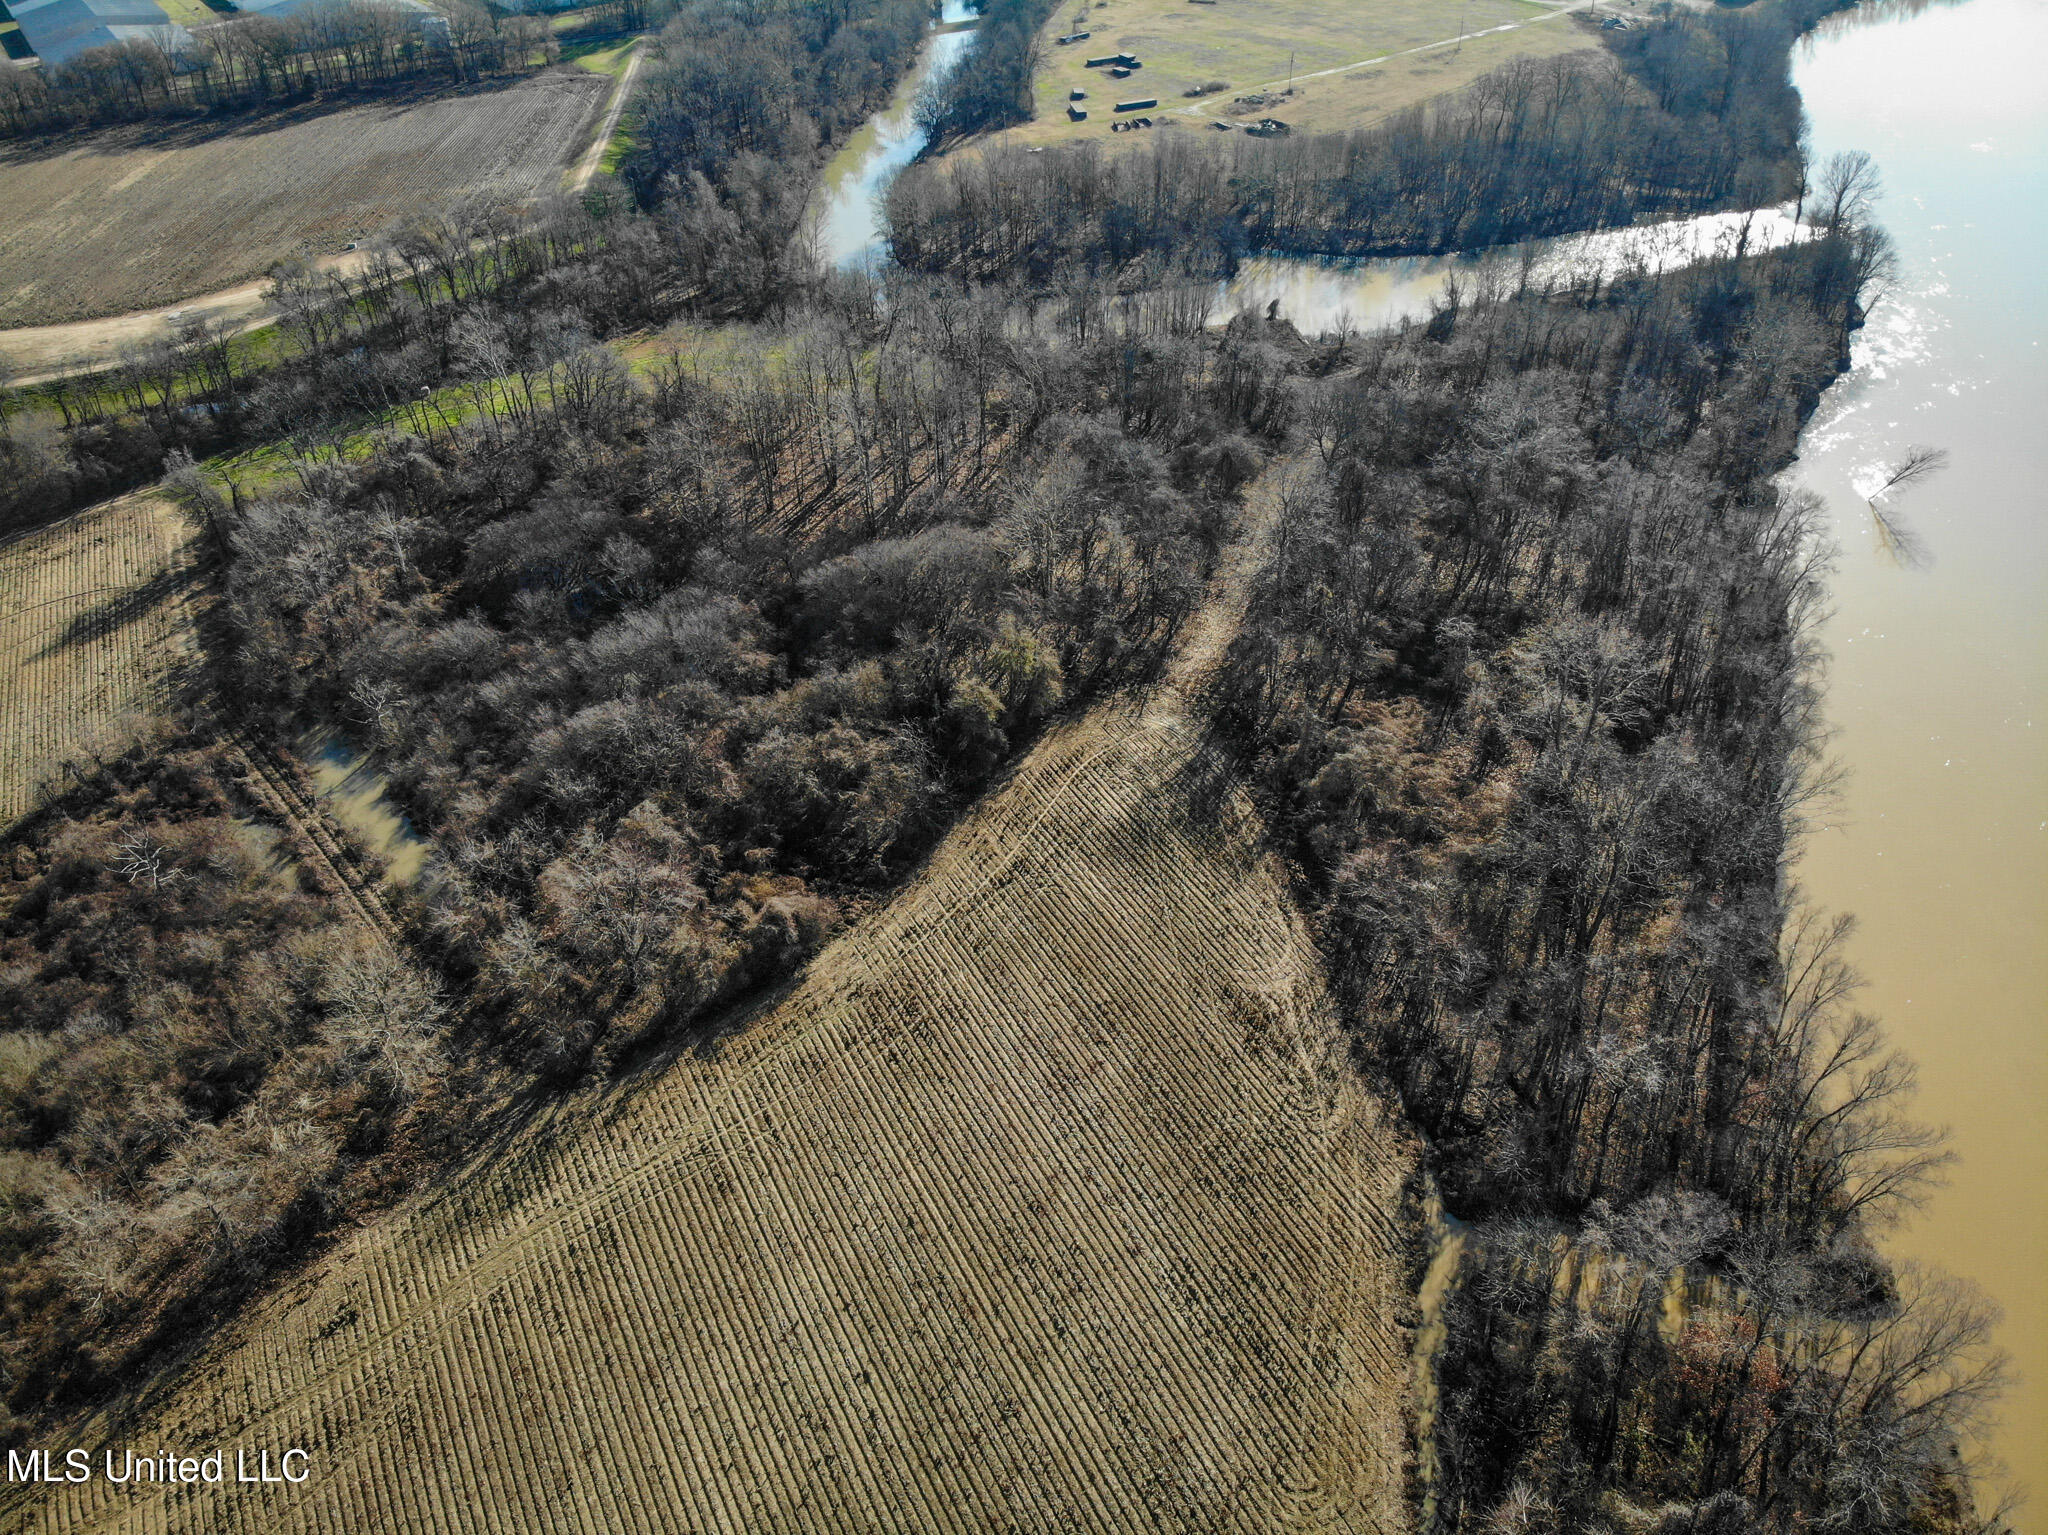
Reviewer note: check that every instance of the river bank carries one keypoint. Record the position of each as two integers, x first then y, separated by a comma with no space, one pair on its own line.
845,224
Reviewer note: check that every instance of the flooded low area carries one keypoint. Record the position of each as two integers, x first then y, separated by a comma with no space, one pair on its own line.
848,217
1938,688
350,789
1320,295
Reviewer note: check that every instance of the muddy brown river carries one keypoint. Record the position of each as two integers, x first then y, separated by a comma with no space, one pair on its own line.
1938,689
1938,684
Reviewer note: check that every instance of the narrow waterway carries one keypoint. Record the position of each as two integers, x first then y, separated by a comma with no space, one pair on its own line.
1318,296
350,788
1938,687
846,220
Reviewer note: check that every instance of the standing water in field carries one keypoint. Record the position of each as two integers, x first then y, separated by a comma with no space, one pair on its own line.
1938,680
351,790
847,218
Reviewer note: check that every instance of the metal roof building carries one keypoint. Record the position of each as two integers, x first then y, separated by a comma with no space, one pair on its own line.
60,30
284,8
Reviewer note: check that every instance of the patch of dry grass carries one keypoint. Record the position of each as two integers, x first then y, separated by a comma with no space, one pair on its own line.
1184,45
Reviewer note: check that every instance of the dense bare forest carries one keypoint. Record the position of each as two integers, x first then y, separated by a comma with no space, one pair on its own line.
1528,682
1694,112
680,663
733,111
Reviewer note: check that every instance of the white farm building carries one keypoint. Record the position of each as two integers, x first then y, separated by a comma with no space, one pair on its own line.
60,30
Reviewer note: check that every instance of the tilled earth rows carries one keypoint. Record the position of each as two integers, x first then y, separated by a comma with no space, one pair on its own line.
1043,1204
133,218
95,619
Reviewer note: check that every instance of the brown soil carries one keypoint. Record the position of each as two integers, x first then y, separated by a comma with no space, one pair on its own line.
96,620
141,217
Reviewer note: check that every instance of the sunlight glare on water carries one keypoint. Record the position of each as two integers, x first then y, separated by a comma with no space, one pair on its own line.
1938,683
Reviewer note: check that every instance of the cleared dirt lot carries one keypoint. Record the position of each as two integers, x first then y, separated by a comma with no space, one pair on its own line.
1045,1203
135,218
1247,43
95,621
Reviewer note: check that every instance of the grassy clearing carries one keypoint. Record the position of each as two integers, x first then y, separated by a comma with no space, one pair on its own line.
97,622
189,13
601,56
1247,43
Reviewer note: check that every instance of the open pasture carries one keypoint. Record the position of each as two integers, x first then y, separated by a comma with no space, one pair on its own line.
1185,45
1045,1202
95,621
135,218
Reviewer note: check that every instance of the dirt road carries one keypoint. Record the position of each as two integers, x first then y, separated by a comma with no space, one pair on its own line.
38,353
593,158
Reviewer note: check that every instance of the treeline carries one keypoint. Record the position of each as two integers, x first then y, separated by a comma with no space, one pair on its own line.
352,347
201,1062
991,87
1697,112
734,104
256,61
1528,687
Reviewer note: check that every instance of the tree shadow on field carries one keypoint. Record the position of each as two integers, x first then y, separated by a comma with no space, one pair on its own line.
253,122
512,1156
125,606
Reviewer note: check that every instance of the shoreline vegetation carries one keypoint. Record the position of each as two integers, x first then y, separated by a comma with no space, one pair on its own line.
1693,114
682,663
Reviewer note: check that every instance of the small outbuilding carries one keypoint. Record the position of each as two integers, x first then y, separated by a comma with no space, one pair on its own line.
1139,105
1076,114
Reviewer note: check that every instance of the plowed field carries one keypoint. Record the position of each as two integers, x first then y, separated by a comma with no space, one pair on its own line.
95,619
1043,1204
135,218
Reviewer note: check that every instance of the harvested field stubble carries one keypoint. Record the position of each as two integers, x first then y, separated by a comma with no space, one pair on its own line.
139,217
95,619
1044,1203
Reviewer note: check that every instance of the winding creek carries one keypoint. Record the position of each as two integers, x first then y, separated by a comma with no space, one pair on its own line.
846,218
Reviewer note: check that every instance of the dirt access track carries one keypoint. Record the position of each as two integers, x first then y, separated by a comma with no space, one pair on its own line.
131,218
1044,1203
